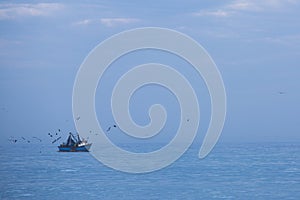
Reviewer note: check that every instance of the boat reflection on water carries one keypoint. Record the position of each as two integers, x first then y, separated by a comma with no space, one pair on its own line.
75,144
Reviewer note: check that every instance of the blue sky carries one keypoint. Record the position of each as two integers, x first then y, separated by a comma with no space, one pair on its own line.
255,44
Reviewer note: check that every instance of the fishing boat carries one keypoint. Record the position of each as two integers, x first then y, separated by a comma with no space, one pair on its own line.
75,144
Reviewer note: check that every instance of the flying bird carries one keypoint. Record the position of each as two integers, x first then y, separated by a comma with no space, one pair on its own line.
37,139
12,139
56,140
109,128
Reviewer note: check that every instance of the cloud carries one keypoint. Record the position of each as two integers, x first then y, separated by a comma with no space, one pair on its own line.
12,11
84,22
216,13
258,5
238,6
110,22
242,5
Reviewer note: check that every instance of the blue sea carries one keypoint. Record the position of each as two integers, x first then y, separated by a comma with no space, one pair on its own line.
231,171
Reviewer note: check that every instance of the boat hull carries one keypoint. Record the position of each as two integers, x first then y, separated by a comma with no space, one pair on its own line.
84,148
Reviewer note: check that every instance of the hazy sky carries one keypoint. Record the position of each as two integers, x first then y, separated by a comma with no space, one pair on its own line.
255,44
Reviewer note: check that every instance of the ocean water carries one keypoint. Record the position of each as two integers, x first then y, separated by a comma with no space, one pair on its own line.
235,171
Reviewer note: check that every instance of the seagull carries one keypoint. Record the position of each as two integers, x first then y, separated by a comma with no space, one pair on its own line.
56,140
37,138
12,139
108,129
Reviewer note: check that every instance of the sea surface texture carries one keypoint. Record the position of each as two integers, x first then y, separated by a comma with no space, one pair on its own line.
235,171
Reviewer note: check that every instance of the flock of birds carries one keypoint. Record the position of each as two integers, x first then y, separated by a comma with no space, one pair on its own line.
57,137
53,137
